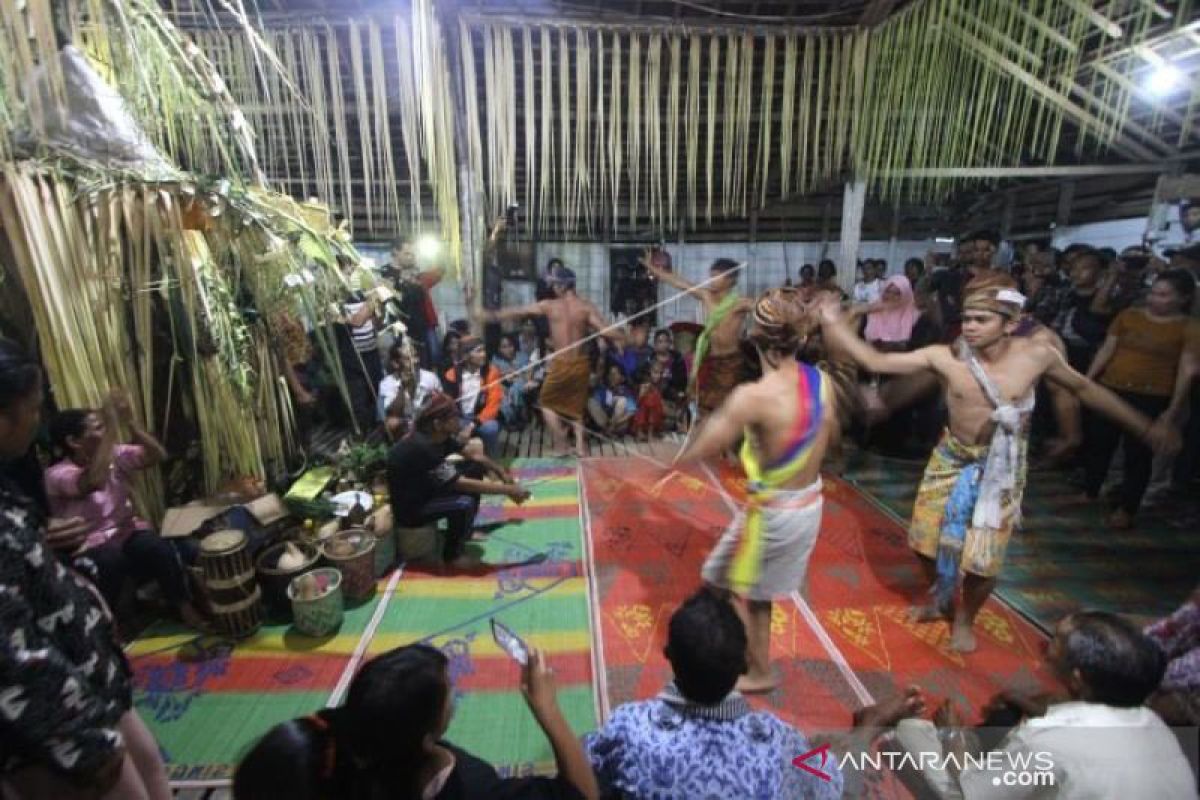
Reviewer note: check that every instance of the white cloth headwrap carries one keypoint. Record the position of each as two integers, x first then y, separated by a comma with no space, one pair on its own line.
1004,452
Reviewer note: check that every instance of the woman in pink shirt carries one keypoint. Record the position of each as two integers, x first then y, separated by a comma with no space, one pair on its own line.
92,483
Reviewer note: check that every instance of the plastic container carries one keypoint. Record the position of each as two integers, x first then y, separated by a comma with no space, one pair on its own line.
275,580
316,598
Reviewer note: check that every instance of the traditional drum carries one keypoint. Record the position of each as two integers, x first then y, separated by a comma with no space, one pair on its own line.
233,594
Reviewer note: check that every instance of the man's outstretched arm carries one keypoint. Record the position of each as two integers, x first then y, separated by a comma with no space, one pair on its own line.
840,337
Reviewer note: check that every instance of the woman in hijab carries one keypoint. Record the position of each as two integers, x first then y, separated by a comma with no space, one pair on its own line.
891,321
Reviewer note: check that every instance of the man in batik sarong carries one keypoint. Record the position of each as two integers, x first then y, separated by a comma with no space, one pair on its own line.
719,365
565,391
969,501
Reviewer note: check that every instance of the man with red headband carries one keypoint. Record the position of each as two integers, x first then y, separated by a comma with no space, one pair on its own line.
969,500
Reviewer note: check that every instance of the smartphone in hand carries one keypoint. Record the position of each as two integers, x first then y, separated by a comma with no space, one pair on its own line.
510,643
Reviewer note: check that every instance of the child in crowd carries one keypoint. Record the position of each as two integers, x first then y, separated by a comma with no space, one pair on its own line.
612,406
650,417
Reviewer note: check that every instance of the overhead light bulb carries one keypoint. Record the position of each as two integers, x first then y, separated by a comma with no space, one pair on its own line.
943,240
428,246
1164,80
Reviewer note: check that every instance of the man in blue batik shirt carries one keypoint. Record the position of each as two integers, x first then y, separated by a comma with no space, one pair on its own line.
699,738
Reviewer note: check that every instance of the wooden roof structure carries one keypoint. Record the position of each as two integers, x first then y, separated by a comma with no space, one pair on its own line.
1094,141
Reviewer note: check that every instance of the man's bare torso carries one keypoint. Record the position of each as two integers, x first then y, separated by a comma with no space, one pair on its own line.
726,337
774,402
1014,374
569,320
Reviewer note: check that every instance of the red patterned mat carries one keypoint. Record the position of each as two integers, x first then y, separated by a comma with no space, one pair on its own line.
850,643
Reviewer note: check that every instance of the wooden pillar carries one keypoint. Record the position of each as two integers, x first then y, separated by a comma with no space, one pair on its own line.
854,199
895,234
1066,198
1006,216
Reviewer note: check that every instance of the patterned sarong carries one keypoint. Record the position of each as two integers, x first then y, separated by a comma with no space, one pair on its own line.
717,377
942,524
565,391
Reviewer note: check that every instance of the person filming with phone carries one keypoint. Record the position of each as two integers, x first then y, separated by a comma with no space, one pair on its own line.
388,740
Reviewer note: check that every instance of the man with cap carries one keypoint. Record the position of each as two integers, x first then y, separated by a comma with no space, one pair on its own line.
969,499
565,391
425,486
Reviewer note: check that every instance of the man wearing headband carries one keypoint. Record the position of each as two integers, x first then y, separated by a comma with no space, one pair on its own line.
426,487
969,500
718,364
785,421
565,390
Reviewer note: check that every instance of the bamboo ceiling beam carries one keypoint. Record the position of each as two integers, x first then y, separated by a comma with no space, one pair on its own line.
1131,125
652,25
1064,171
1159,103
1057,98
1043,28
1110,28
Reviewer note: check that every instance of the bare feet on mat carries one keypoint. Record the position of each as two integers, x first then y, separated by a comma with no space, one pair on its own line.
930,612
757,684
962,640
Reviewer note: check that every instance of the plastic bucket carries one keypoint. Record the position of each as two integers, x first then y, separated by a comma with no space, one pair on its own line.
274,581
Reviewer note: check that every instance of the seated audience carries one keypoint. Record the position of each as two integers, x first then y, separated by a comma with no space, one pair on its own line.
93,481
425,487
510,362
634,351
1178,697
1100,741
476,385
407,385
612,404
699,737
451,351
650,417
674,367
68,728
1150,358
387,742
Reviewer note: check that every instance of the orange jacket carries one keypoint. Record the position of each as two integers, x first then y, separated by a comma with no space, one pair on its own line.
487,405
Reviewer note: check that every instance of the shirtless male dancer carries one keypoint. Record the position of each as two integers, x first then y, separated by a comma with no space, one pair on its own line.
717,368
788,419
969,500
565,390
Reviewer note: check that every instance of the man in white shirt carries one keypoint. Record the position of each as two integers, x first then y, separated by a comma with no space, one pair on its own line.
405,382
1101,742
870,288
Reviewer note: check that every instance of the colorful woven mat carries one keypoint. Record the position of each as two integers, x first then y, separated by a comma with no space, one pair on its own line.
208,700
848,644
